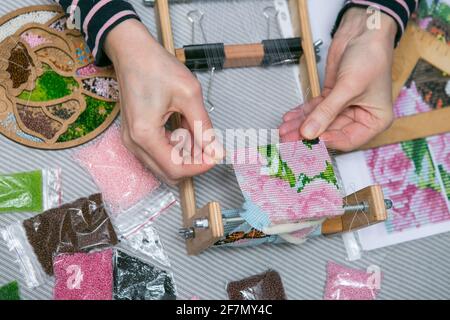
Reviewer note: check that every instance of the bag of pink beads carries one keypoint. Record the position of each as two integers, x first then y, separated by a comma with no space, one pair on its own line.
123,180
131,192
345,283
83,276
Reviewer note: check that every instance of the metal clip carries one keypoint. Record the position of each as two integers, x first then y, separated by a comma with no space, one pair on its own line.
208,92
317,46
196,17
270,13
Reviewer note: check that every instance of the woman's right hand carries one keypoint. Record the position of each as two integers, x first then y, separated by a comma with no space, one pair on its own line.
153,86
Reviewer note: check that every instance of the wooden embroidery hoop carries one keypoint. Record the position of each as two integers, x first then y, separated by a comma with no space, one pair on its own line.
416,44
66,46
207,237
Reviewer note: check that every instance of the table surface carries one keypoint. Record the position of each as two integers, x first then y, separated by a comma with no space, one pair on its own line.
414,270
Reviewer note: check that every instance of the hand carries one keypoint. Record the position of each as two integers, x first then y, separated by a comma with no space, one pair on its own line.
153,86
356,102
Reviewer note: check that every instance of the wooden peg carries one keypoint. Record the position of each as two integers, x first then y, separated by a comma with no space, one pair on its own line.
205,238
376,212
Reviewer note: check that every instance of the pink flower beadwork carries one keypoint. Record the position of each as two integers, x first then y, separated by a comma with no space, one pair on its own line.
302,159
287,203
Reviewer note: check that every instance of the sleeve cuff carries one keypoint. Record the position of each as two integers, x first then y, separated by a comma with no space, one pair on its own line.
398,11
102,22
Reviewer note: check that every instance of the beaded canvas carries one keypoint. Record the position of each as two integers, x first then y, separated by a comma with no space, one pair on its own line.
52,96
288,183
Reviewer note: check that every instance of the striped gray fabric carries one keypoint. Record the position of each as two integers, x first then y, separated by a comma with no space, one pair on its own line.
244,99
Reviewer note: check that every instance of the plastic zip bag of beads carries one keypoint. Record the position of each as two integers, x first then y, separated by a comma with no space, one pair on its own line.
83,276
122,179
345,283
146,243
10,291
80,226
139,279
33,191
264,286
135,229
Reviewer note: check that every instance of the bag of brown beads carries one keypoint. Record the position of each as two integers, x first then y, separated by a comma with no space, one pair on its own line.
265,286
80,226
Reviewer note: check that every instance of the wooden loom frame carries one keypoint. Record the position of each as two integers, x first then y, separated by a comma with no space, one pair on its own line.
205,238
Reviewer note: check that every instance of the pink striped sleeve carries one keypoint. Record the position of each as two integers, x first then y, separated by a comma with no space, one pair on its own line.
109,23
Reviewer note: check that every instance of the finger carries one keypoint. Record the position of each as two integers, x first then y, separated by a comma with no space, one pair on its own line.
326,111
291,125
303,109
291,136
148,162
334,58
196,119
174,154
350,137
141,155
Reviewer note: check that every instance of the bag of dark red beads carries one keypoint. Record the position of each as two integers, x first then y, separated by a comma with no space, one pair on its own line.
264,286
80,226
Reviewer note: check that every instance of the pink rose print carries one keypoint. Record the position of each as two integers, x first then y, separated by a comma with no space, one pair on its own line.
402,215
415,207
440,146
432,202
390,167
410,102
301,159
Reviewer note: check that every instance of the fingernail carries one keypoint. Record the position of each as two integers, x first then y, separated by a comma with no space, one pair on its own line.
311,129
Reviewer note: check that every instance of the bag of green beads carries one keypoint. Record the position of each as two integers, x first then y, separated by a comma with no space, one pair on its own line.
10,291
33,191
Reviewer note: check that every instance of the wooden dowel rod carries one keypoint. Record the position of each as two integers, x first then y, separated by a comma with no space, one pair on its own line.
308,48
236,55
187,191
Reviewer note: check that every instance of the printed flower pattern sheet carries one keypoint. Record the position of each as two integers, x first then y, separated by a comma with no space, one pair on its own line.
415,175
287,183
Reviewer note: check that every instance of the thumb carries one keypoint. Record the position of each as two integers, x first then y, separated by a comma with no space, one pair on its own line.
325,112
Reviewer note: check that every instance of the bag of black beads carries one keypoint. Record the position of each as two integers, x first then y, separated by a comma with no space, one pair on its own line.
136,279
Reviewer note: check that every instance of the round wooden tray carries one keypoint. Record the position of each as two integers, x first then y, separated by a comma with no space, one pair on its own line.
51,94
